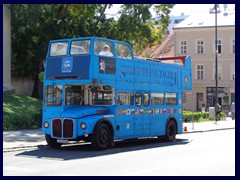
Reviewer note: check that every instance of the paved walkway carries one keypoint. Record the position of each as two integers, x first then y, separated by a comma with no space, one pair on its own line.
35,138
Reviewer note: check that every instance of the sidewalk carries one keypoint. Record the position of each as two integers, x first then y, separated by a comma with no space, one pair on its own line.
209,126
35,138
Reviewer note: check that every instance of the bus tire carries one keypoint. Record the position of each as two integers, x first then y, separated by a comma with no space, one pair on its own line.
101,137
52,142
171,131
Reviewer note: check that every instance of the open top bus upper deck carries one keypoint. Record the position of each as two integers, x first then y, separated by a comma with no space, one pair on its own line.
82,60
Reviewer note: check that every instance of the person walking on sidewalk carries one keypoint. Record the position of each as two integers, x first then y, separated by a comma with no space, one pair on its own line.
232,110
203,108
218,110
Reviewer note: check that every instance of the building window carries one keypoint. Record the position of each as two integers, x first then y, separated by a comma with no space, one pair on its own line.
183,47
233,46
219,71
200,47
232,72
199,71
219,46
184,97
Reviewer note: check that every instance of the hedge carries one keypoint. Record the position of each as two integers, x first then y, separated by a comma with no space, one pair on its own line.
189,116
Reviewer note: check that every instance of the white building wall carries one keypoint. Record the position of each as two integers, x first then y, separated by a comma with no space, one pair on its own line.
226,60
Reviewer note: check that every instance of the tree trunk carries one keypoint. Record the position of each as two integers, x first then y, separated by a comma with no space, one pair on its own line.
38,85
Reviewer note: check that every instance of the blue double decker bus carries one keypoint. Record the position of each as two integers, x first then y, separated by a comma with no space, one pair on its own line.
97,91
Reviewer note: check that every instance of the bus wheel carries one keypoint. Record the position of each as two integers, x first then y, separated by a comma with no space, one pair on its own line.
171,131
101,138
52,142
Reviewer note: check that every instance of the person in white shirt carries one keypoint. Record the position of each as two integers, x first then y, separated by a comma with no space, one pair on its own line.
106,51
232,110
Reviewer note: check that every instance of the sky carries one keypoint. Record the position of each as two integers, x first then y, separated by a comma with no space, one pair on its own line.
187,9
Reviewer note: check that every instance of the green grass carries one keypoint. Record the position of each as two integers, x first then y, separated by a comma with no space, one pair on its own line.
20,112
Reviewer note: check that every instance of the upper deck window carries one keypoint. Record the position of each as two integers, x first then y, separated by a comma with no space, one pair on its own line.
123,51
80,47
103,48
58,48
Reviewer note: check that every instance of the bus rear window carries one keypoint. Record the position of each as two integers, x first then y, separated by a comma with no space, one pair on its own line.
58,48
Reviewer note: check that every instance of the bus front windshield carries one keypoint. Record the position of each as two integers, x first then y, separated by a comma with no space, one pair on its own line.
53,95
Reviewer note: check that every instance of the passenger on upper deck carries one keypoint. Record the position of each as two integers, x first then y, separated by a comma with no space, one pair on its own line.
122,54
106,51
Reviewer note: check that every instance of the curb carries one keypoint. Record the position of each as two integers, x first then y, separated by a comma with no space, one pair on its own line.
12,149
40,146
199,131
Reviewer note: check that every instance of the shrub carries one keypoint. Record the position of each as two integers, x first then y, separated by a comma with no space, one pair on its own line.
189,116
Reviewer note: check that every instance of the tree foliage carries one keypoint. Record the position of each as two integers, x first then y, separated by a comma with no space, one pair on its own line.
34,25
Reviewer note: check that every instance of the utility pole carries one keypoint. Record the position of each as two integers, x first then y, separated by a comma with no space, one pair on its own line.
216,60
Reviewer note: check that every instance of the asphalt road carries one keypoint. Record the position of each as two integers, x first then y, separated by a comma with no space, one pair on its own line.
196,154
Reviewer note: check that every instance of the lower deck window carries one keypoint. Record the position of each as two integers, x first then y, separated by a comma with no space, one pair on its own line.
74,95
171,98
102,95
157,98
125,98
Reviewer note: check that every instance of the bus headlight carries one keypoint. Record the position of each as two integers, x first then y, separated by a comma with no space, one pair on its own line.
46,124
83,125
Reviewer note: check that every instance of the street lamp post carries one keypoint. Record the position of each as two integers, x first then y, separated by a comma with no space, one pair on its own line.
216,60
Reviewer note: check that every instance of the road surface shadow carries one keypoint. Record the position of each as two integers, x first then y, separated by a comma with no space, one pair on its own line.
84,150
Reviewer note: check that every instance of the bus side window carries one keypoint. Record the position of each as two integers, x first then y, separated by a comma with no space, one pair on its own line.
146,99
125,98
171,98
123,51
138,99
157,98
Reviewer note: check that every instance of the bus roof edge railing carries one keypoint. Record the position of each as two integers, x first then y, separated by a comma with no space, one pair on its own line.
182,58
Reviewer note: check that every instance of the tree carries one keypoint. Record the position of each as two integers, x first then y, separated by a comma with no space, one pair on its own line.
137,27
34,25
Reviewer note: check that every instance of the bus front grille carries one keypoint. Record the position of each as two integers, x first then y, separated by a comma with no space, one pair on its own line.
68,128
62,128
57,127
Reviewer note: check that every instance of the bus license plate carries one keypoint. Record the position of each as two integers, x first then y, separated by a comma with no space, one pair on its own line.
64,141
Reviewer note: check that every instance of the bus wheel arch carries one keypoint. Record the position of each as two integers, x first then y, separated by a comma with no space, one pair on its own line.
103,135
171,129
